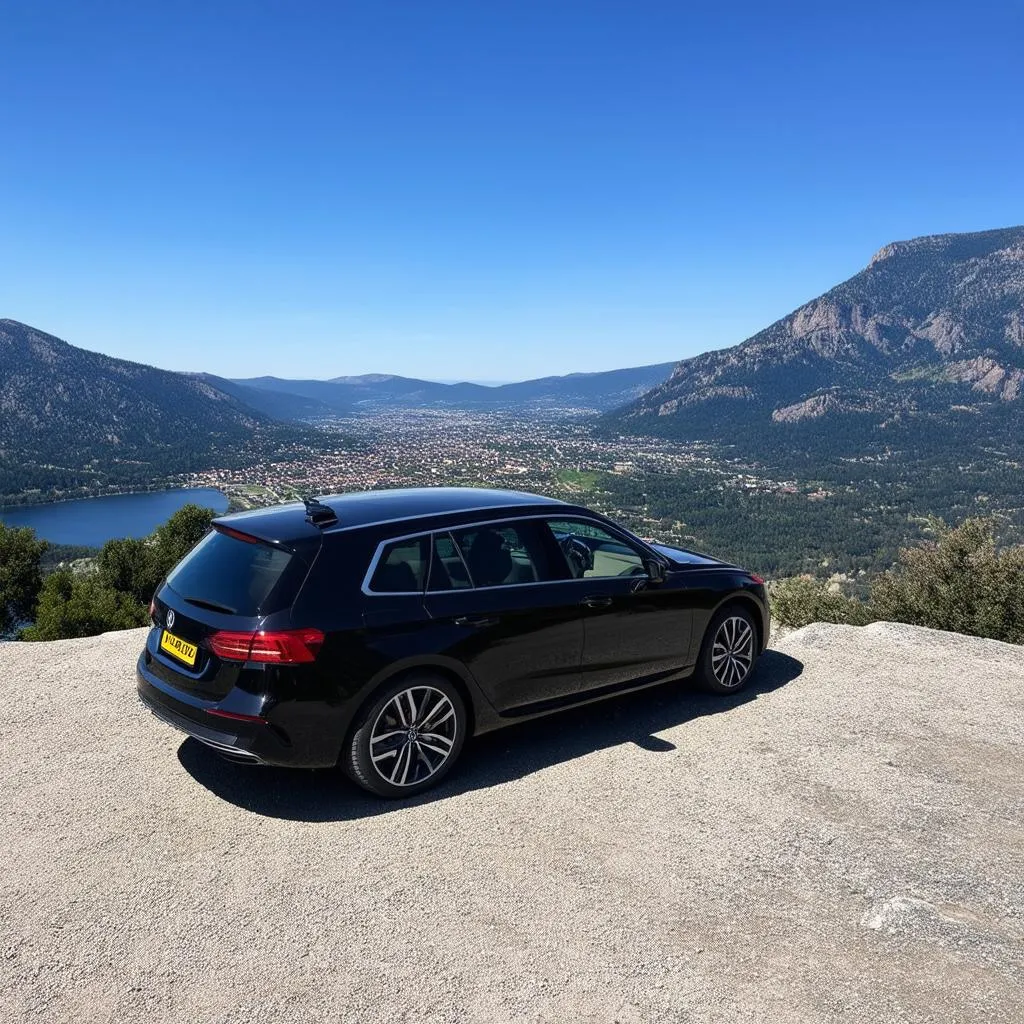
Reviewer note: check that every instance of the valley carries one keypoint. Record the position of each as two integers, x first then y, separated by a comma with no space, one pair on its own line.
840,517
821,444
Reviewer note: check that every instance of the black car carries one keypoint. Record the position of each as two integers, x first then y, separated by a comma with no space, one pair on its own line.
377,630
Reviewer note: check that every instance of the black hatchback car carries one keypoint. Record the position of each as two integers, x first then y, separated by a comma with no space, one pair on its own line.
377,630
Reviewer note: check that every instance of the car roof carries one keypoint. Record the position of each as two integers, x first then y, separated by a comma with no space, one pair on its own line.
284,523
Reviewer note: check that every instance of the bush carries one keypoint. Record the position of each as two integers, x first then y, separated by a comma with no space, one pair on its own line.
961,582
116,595
131,567
803,599
20,576
76,604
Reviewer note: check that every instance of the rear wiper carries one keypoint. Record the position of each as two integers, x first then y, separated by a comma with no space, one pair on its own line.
212,605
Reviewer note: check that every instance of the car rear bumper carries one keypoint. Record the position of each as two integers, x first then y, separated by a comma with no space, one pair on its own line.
248,742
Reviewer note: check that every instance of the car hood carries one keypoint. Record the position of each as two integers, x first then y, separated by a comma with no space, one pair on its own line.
683,557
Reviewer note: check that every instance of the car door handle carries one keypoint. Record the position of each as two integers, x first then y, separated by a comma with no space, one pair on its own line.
475,621
596,602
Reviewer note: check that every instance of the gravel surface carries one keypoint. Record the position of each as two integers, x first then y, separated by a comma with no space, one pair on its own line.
842,843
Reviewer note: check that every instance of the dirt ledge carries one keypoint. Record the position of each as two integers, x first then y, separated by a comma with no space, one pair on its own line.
842,843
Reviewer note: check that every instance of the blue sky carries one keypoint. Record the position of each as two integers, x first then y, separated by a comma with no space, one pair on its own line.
487,189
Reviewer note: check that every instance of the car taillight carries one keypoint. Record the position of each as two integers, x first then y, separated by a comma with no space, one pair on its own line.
234,716
279,647
756,578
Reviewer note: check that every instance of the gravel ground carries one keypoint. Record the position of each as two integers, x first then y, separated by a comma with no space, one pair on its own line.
842,843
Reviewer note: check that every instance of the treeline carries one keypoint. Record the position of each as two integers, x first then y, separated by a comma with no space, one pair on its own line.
27,480
857,527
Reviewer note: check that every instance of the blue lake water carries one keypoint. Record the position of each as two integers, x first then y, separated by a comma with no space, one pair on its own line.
94,521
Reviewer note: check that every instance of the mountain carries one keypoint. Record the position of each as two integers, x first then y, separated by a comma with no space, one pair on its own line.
344,395
75,421
73,418
922,348
278,405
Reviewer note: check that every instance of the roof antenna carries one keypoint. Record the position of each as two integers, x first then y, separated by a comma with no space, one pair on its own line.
318,513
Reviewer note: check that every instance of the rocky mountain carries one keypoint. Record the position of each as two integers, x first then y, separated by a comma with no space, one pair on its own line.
345,395
926,344
71,418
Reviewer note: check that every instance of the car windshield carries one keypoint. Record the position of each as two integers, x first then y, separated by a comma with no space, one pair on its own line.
223,573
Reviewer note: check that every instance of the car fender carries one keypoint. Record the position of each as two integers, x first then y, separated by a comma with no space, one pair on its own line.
757,607
481,712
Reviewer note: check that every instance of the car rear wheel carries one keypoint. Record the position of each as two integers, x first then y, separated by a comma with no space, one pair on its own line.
729,651
408,738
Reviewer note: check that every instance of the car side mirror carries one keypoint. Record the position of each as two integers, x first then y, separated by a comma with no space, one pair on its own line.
655,570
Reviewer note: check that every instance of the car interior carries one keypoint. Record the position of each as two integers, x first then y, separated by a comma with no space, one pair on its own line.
501,555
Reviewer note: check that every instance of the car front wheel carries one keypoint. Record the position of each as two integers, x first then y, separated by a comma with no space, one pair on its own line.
408,738
729,651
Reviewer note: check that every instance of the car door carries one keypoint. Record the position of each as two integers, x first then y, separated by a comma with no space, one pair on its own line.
635,628
513,623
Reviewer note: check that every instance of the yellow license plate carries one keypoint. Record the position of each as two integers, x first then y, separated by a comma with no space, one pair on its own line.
182,650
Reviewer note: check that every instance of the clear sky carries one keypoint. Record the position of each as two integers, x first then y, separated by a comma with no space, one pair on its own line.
486,189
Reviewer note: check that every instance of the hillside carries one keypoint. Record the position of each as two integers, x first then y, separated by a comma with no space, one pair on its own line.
840,843
922,350
73,418
372,392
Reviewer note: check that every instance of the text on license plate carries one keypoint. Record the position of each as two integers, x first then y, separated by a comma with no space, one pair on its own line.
182,650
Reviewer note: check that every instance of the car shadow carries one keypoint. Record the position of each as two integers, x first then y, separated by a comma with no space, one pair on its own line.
497,757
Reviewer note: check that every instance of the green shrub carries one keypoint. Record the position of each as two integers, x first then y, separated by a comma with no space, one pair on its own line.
116,595
131,566
960,582
801,600
20,576
81,604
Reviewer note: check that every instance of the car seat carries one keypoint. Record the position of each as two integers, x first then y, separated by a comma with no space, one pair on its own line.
489,560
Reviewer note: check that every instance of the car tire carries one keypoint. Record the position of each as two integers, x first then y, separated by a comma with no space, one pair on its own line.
728,652
408,737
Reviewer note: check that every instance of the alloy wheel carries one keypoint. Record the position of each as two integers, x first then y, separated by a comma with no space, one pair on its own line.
732,652
413,736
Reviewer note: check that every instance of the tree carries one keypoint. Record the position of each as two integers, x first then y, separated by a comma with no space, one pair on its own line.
115,595
81,604
131,566
175,538
961,582
20,577
136,567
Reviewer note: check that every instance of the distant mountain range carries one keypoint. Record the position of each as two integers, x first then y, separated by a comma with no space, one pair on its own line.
73,419
923,346
288,399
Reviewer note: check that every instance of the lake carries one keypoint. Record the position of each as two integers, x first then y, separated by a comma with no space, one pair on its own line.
94,521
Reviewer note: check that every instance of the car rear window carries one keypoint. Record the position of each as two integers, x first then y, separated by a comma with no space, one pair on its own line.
224,573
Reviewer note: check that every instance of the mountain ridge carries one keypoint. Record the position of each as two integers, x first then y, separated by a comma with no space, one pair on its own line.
930,327
74,418
602,390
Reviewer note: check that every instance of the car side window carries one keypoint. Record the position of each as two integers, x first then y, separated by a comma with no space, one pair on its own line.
402,567
447,570
593,552
505,554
